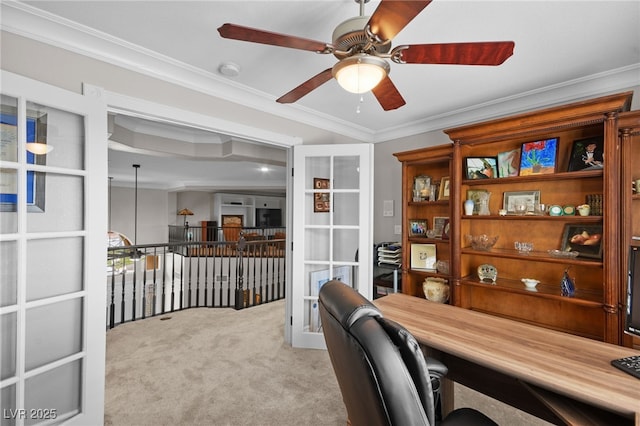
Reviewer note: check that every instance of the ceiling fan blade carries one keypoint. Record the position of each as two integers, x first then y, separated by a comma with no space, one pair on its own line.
306,87
480,53
387,95
392,16
238,32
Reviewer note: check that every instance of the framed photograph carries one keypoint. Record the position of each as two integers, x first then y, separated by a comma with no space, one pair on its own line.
587,154
444,188
510,199
509,163
321,200
475,195
481,167
418,227
538,157
36,132
421,187
423,256
585,239
439,223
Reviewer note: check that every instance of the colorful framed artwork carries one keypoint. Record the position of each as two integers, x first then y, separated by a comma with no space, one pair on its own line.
36,131
481,167
538,157
584,239
321,200
587,154
509,163
418,227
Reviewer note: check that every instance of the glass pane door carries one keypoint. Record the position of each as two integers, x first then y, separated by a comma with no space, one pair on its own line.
332,225
51,319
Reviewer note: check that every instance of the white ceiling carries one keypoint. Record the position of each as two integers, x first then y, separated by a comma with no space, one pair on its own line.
563,50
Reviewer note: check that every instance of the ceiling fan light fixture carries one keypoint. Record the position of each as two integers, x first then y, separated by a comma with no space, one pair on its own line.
360,73
39,148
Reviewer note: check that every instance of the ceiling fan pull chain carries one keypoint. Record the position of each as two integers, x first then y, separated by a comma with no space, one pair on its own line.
358,107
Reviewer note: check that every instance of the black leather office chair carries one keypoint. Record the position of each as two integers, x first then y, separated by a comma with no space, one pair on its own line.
380,367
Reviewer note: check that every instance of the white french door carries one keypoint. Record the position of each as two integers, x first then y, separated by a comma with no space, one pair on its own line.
332,229
53,216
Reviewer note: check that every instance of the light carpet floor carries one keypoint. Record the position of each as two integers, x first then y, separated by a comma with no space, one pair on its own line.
225,367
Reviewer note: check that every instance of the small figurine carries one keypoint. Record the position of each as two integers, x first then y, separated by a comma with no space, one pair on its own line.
567,285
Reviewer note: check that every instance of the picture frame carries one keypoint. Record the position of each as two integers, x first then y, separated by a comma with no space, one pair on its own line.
444,188
321,200
439,223
538,157
585,239
474,194
423,256
510,198
421,187
481,167
509,163
36,131
418,227
587,154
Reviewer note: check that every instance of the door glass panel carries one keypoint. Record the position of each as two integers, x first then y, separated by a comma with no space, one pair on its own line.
316,167
61,133
345,244
8,272
317,244
8,402
346,209
313,202
60,202
53,332
57,389
346,172
8,175
8,129
8,328
54,267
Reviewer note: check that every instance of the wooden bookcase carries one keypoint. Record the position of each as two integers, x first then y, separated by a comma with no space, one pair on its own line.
629,128
435,163
595,311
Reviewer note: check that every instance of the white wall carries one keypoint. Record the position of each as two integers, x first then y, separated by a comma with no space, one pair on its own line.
152,218
198,202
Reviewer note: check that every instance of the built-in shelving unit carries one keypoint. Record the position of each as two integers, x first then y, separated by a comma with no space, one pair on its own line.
596,308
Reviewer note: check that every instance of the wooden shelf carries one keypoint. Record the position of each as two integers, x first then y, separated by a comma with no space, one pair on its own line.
577,219
536,178
534,256
545,290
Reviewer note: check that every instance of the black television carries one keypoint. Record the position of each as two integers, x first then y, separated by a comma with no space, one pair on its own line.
268,218
632,321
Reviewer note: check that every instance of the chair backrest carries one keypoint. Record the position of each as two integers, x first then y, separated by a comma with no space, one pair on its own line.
379,365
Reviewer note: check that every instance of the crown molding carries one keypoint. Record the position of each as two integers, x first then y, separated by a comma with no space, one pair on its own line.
33,23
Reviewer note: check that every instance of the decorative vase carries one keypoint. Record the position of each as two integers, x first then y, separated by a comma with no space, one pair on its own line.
468,207
567,285
436,289
483,208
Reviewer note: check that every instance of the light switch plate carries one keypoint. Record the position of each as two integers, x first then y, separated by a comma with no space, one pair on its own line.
387,209
397,229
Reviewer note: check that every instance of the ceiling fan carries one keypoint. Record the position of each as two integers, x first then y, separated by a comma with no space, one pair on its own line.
363,44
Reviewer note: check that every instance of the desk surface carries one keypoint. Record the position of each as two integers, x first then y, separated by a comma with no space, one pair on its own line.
569,365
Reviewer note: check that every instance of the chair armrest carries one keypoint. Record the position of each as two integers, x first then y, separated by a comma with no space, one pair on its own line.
436,368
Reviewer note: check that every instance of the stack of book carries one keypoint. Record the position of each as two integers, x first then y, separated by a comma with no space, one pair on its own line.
390,254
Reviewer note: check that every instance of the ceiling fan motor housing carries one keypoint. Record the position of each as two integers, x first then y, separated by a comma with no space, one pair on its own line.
350,35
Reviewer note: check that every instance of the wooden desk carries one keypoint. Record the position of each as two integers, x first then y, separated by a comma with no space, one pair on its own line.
556,376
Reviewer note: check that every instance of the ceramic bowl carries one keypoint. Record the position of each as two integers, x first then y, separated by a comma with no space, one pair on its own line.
530,282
